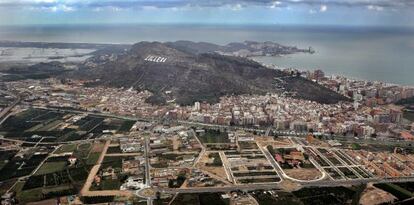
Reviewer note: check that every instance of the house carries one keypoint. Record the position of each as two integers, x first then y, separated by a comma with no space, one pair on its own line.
134,183
72,160
97,180
109,174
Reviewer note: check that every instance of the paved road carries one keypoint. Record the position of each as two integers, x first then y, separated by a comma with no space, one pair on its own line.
124,154
272,161
147,166
255,187
7,111
88,183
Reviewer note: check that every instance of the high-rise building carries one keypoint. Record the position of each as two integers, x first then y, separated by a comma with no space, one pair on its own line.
197,106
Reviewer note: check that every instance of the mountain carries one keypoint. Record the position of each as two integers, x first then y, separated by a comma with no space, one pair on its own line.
36,71
244,49
191,76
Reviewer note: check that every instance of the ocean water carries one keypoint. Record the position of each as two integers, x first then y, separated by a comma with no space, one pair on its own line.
377,54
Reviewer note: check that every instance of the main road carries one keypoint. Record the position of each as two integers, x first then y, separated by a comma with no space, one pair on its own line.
6,111
273,186
389,142
147,166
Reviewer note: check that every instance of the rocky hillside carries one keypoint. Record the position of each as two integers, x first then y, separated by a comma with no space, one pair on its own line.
178,73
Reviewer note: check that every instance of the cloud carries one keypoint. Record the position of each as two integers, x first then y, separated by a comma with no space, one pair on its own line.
375,8
70,5
323,8
56,8
237,7
275,4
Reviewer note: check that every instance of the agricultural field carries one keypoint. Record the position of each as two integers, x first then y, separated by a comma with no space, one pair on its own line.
51,167
5,156
18,167
111,173
66,148
60,126
56,177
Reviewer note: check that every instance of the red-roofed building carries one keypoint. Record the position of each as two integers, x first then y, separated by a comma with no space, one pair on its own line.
406,135
279,158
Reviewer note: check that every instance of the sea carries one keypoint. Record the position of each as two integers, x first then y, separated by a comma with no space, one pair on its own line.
368,53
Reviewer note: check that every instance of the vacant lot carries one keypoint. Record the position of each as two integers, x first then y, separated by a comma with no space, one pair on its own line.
214,136
303,174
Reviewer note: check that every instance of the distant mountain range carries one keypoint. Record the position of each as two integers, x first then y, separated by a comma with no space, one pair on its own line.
243,49
187,72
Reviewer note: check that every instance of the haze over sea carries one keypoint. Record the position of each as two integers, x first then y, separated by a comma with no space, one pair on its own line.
377,54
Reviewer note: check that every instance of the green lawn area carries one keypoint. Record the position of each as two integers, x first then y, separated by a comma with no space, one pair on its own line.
66,148
93,157
50,167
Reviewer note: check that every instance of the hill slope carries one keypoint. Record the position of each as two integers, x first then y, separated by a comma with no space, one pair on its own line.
190,77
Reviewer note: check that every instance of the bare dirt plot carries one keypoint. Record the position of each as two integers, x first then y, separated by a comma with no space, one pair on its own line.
264,141
373,195
97,147
217,170
303,174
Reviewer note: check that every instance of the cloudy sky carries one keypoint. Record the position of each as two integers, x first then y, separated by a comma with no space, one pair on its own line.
302,12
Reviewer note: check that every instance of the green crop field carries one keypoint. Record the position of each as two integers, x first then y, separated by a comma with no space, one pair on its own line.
50,167
66,148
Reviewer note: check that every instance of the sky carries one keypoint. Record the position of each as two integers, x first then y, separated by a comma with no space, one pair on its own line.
284,12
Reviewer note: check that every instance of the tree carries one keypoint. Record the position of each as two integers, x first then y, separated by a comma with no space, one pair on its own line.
158,195
170,183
